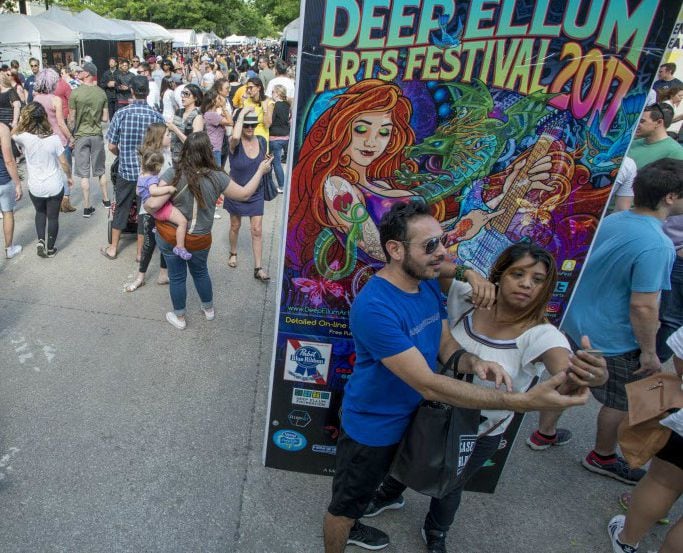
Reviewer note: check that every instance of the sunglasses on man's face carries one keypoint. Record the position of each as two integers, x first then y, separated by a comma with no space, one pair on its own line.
431,245
248,126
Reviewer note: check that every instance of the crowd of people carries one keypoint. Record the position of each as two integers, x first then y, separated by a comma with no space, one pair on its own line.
193,133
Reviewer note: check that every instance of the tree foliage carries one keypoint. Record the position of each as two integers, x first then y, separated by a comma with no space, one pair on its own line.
258,18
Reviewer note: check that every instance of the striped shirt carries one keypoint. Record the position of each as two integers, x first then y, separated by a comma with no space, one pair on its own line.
126,130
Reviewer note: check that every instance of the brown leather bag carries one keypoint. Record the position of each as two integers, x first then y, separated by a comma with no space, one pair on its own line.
640,434
193,242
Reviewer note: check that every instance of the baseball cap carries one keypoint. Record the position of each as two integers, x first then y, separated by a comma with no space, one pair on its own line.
89,68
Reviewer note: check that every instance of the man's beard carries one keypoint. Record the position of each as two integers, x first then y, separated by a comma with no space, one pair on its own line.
413,270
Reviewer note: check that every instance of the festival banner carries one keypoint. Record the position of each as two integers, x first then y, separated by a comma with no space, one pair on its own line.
456,104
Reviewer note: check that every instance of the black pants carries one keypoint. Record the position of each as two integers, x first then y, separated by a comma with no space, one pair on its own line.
442,511
146,226
124,190
111,105
47,211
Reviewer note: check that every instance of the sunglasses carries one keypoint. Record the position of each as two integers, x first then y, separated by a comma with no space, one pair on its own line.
431,245
248,126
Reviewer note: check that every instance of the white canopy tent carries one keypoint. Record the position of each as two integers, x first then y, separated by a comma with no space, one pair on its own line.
85,30
24,37
235,39
115,31
146,32
183,38
203,39
291,32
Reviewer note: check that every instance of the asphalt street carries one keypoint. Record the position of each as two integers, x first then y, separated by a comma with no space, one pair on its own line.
119,433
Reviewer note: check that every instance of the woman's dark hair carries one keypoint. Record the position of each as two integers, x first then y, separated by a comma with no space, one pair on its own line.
667,94
218,84
167,83
196,92
535,312
657,179
33,119
258,82
244,66
394,223
196,162
233,76
209,100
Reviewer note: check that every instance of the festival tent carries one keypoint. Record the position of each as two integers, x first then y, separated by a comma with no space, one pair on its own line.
203,39
120,41
183,38
24,37
290,40
146,32
84,30
235,39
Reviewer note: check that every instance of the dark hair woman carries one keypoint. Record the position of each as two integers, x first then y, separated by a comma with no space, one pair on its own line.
255,97
199,183
47,170
515,334
187,119
168,103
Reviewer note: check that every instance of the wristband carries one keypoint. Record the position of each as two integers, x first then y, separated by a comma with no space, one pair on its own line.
460,273
453,360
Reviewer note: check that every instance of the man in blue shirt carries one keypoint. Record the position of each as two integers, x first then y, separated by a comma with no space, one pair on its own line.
400,330
616,302
30,81
125,135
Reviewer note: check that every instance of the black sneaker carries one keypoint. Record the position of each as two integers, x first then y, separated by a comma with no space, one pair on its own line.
106,203
616,468
379,505
52,252
88,211
367,537
435,540
40,249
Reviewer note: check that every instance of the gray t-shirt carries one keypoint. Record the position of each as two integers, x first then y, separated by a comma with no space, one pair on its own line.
212,187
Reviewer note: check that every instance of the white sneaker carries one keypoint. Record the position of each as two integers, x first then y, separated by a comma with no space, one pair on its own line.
216,215
176,321
210,313
614,528
13,251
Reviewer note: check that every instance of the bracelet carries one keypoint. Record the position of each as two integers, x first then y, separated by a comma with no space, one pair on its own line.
453,360
460,271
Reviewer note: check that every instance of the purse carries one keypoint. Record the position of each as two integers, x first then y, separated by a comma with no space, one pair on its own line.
640,435
267,182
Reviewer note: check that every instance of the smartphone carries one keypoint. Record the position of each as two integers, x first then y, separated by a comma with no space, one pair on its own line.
595,352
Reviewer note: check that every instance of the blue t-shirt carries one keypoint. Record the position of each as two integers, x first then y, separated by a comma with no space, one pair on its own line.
631,253
386,321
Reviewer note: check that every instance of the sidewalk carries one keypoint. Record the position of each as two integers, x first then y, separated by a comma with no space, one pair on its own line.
121,434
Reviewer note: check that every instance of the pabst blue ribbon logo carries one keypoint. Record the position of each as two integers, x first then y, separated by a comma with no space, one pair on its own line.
307,361
289,440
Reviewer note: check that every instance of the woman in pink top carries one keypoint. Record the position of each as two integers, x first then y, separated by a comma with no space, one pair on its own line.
216,119
44,89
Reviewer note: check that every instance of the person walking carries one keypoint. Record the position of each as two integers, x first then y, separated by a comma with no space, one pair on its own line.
108,84
125,136
86,113
9,194
46,169
216,119
198,184
280,114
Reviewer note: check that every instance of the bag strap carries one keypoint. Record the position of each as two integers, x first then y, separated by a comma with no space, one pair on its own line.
501,421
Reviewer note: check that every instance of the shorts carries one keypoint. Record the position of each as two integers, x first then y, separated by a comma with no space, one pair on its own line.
360,470
672,452
89,156
8,197
620,369
164,212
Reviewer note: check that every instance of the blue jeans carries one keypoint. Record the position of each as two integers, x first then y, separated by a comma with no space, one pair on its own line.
276,148
177,276
67,155
670,311
217,158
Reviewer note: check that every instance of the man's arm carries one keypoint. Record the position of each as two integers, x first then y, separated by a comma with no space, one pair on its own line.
483,290
644,315
411,367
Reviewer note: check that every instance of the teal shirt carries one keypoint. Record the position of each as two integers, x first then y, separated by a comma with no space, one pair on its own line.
643,153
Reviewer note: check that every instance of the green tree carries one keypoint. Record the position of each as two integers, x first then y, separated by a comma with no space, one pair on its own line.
282,12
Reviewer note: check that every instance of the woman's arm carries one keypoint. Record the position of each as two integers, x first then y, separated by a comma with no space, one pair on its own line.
57,104
583,368
236,192
66,168
16,107
161,190
237,129
198,123
268,114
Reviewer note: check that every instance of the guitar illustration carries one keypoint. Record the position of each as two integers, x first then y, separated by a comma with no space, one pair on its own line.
481,251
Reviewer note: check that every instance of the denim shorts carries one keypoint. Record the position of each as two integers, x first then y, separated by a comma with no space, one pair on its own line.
8,198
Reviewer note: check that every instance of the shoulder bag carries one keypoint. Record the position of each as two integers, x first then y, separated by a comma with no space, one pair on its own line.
267,183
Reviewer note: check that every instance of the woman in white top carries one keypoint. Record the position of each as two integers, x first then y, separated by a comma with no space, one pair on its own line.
168,100
47,172
515,334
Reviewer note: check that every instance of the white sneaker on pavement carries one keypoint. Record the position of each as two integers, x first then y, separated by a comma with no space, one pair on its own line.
13,251
210,313
176,321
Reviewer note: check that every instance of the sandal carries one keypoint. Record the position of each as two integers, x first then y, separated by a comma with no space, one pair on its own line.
232,260
106,254
131,287
260,274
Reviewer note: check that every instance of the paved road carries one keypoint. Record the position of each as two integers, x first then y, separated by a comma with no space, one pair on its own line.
122,434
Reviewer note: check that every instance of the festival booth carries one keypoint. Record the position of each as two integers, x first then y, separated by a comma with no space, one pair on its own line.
24,37
150,36
235,40
116,40
183,38
290,41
